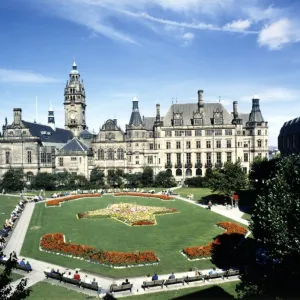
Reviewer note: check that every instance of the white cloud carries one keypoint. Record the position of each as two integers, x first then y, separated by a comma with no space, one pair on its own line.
279,34
238,25
21,76
275,94
188,38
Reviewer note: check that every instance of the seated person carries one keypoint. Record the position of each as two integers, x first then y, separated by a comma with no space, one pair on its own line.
69,275
172,276
213,271
22,262
4,257
94,282
76,276
86,279
191,273
8,224
154,277
28,267
125,282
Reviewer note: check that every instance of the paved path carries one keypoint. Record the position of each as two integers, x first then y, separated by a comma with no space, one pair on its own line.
18,235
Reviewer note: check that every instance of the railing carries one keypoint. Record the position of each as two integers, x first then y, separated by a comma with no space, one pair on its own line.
178,165
198,165
168,165
208,165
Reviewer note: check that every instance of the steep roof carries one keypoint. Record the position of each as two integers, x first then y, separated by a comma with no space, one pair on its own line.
135,118
75,145
188,109
47,134
255,115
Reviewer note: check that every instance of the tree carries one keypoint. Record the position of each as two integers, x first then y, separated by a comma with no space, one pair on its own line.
275,227
147,177
44,181
13,180
97,178
7,292
133,179
113,178
195,182
228,180
64,179
262,169
81,181
164,179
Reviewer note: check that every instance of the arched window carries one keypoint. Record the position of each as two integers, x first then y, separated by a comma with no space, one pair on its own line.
178,172
199,172
101,154
188,172
110,154
120,153
29,176
169,172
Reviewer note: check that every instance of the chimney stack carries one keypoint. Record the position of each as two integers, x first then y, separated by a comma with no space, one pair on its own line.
157,112
200,98
17,116
235,109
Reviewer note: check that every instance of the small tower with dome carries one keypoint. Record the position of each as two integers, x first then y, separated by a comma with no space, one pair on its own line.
75,103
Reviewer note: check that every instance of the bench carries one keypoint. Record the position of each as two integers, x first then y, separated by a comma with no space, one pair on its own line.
53,276
120,288
148,284
217,275
3,262
188,279
23,268
89,286
232,273
174,281
71,281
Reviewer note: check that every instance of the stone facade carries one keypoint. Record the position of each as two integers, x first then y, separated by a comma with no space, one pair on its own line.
187,140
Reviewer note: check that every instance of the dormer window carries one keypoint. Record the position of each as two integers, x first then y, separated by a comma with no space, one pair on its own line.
217,117
177,119
197,118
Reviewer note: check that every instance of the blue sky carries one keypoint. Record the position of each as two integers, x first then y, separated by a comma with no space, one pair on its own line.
157,50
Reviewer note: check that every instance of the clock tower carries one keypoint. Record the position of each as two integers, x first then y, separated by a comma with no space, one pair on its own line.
74,102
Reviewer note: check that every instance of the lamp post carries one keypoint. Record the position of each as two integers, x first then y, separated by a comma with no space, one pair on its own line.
183,168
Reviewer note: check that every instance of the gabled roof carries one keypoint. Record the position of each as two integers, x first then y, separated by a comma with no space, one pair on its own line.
47,134
75,145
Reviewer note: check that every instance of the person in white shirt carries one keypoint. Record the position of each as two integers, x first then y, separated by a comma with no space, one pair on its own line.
86,279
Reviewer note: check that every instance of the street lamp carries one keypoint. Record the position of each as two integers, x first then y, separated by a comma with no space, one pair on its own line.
183,168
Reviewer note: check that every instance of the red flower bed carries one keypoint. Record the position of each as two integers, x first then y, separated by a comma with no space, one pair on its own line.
139,223
54,242
55,202
206,250
162,197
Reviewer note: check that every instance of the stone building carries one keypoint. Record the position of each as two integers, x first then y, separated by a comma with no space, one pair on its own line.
186,141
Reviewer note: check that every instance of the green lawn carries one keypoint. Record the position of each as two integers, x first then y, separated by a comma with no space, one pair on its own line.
198,193
246,216
217,292
192,226
47,291
7,205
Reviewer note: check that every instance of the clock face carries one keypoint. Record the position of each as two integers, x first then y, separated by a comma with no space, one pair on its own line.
72,116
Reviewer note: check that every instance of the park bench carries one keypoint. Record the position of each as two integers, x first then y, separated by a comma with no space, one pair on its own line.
71,281
232,273
23,268
120,288
189,279
174,281
53,276
213,276
3,262
89,286
148,284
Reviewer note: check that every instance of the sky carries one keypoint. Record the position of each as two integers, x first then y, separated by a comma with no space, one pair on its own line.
157,50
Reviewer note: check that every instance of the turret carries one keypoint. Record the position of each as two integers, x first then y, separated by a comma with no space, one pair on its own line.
255,115
135,118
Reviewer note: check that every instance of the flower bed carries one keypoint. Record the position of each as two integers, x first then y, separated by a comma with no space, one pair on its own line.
57,201
130,214
162,197
206,250
54,242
